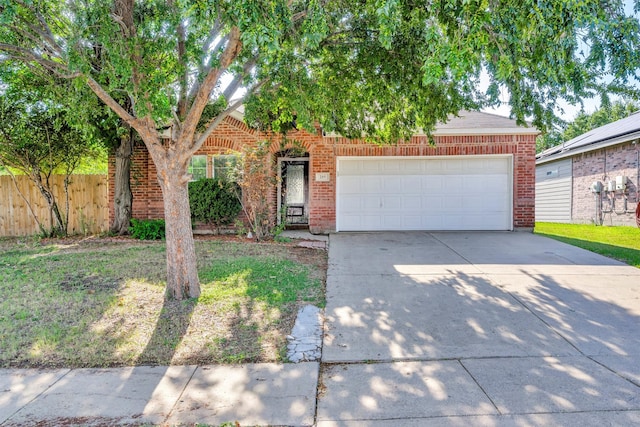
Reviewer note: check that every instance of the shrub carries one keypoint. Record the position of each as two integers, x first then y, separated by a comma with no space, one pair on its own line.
255,178
147,229
214,201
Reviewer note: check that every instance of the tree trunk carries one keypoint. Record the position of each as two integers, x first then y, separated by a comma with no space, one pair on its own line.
123,197
182,272
56,223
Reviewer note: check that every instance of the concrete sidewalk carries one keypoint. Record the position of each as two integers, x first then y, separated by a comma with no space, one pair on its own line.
258,394
443,329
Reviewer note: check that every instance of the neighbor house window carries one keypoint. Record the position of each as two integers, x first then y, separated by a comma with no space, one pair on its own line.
198,167
223,166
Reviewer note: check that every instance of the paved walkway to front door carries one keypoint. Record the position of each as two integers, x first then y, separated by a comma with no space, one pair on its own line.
506,328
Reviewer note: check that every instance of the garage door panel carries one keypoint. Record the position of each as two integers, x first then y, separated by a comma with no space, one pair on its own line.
350,222
454,167
454,220
370,203
432,222
371,184
473,185
412,202
495,183
393,166
391,203
412,222
431,183
350,185
372,222
351,168
351,203
453,203
392,222
473,201
432,203
434,167
453,184
448,193
412,167
472,222
371,168
393,184
411,184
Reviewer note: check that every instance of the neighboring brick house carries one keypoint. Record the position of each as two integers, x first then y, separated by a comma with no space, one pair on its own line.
479,175
592,178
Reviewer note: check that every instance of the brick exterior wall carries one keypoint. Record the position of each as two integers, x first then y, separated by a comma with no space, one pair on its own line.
604,165
232,135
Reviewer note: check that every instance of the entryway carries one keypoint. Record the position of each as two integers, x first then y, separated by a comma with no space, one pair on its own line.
293,191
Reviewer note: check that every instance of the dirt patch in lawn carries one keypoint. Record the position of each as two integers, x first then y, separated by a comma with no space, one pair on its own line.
100,302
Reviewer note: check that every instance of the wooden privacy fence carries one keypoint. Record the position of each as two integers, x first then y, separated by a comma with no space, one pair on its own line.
88,205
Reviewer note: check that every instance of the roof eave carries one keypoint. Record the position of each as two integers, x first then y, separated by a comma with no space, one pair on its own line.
591,147
484,131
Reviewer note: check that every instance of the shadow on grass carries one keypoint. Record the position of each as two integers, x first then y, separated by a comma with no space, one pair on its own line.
115,321
627,255
171,327
259,298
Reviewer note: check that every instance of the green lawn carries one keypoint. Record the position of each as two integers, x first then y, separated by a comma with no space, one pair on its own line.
101,303
621,243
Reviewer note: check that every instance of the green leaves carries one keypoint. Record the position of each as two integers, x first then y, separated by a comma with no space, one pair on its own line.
214,201
360,68
315,26
389,19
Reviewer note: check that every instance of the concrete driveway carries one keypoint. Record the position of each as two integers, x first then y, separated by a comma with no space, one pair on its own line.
478,329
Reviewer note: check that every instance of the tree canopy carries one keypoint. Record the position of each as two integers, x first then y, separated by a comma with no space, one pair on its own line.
376,68
39,137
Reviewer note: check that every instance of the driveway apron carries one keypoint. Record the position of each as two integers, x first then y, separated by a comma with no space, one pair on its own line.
493,325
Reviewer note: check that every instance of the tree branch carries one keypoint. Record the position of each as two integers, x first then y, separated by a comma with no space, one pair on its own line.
184,82
129,119
26,55
124,18
237,80
206,46
207,68
233,107
208,84
216,122
46,34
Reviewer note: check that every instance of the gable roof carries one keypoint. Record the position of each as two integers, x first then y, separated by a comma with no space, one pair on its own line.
481,123
620,131
476,123
465,123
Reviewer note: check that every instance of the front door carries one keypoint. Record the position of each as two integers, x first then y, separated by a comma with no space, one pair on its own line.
293,200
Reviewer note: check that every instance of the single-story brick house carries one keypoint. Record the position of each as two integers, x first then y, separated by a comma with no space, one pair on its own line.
479,175
593,178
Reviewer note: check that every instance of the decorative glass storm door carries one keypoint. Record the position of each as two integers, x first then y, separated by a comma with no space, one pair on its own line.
294,191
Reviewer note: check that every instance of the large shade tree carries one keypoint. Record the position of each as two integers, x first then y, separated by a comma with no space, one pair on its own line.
374,68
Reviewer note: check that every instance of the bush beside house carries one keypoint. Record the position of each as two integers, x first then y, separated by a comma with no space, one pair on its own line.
214,202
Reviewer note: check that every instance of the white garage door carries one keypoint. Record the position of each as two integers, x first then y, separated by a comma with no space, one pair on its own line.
434,193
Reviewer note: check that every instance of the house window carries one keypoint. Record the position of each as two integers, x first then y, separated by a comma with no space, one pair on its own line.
198,167
224,165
